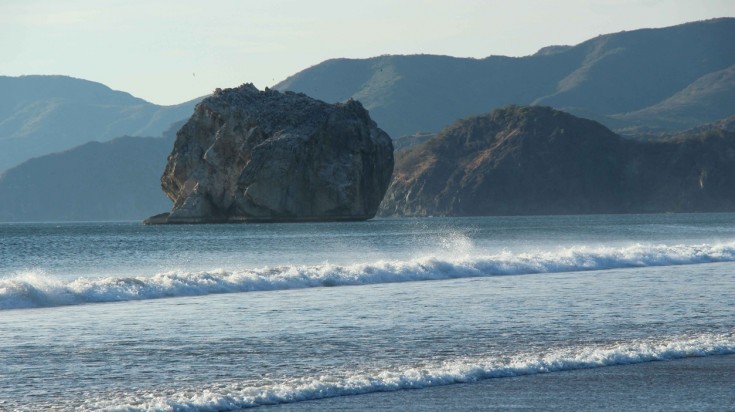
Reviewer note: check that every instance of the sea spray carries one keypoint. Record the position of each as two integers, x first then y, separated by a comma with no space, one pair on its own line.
35,289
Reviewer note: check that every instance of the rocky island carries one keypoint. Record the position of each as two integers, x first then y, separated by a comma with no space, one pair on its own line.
264,156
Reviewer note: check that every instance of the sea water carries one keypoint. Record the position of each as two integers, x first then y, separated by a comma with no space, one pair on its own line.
127,317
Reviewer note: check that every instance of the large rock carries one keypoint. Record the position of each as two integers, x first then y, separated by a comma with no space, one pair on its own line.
247,155
537,160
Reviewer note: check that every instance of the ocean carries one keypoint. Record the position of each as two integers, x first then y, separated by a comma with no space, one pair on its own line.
602,312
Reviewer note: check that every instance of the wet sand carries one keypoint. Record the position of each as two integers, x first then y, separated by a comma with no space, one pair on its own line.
692,384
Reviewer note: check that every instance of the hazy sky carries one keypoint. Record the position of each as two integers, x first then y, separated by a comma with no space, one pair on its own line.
168,52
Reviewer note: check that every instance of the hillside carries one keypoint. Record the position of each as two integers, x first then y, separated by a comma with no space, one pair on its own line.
46,114
114,180
708,99
537,160
604,78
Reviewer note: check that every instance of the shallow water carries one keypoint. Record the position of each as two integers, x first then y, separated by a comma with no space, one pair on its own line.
120,316
690,384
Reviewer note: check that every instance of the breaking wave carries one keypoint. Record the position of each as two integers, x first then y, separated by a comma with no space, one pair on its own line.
230,397
36,289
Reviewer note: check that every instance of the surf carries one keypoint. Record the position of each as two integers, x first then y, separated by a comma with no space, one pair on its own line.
34,289
239,395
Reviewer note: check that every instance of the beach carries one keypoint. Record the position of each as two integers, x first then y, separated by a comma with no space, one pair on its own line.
691,384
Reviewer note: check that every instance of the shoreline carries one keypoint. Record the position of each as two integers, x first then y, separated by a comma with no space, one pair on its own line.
696,383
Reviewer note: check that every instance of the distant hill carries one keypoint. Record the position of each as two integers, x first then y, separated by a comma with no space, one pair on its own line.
638,79
46,114
707,99
114,180
537,160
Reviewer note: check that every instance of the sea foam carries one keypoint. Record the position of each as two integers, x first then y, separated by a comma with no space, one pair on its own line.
34,289
235,396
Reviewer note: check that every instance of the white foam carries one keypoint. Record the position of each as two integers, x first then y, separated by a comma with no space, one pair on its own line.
35,289
249,394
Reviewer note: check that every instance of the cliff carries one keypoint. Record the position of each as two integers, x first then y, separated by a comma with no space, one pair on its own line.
537,160
247,155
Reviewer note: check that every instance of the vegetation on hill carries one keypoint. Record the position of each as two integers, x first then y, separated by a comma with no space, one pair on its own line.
537,160
47,114
624,80
115,180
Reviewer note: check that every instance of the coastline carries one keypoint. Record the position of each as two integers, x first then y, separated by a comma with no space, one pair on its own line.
697,383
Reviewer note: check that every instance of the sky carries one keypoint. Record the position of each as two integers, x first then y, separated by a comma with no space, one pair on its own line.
169,52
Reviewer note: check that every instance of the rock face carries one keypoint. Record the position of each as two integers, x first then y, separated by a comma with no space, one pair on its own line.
537,160
247,155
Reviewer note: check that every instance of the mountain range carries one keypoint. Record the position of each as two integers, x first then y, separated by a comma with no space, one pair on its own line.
114,180
46,114
671,78
649,84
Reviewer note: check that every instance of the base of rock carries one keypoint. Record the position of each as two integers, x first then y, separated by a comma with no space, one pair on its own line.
163,219
300,219
158,219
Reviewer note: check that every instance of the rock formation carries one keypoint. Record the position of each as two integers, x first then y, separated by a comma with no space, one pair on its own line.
537,160
247,155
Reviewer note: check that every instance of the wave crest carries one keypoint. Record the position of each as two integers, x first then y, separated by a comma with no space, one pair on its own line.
38,290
